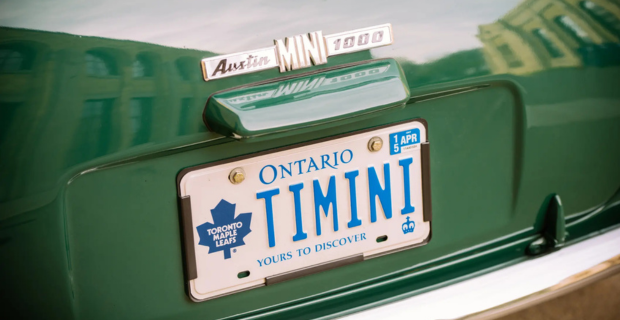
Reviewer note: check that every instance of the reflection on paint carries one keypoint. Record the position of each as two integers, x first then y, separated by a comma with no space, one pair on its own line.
71,100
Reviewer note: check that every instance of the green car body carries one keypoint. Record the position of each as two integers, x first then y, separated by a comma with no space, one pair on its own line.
521,101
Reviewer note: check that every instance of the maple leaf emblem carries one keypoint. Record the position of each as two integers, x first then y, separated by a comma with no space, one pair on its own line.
226,231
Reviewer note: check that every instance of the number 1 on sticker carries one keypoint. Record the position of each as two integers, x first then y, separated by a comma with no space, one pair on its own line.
396,144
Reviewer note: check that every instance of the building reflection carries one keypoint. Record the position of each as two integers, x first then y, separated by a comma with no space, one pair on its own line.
15,58
535,36
82,98
542,34
105,74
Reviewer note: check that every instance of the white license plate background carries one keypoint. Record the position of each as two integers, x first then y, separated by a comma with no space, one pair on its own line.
208,186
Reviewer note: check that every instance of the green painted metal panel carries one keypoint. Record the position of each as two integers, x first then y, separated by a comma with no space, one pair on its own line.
94,130
318,100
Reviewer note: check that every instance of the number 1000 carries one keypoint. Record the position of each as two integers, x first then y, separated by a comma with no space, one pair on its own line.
362,39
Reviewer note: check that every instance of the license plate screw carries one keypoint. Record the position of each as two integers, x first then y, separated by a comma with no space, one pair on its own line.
236,176
375,144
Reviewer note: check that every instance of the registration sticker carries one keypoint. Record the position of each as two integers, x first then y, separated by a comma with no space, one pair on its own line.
274,216
404,141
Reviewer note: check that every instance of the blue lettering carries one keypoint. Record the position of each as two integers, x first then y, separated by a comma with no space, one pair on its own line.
325,160
384,194
405,163
312,164
267,195
350,156
275,259
283,169
355,221
275,174
338,242
295,189
336,159
325,201
299,162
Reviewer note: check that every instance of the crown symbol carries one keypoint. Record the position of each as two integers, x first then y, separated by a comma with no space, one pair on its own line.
408,226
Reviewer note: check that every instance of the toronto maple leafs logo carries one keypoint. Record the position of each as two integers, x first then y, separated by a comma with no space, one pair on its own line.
226,231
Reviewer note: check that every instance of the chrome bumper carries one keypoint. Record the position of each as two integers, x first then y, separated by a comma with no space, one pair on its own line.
512,288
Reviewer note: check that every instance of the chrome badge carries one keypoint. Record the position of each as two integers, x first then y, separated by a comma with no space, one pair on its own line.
297,52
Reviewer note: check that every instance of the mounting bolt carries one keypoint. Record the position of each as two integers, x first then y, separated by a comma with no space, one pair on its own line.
375,144
236,176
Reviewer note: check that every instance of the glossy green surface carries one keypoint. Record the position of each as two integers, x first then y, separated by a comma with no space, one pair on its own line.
93,132
318,100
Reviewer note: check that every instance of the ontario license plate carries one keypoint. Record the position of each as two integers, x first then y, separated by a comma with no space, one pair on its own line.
259,220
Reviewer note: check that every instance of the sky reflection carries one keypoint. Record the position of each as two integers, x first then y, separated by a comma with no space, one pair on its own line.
424,30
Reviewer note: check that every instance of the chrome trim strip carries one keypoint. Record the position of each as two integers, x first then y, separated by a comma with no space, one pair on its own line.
239,63
582,279
511,288
297,52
